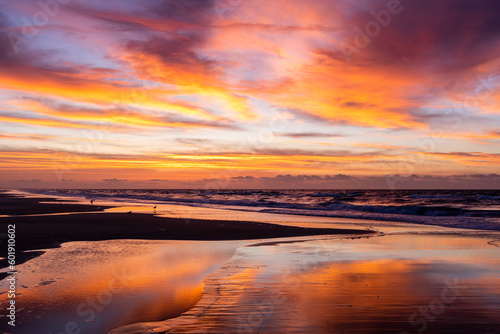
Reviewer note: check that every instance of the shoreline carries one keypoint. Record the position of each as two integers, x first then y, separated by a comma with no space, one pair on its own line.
328,265
16,205
43,223
419,214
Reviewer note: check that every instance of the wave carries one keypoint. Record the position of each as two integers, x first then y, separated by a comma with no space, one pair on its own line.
460,208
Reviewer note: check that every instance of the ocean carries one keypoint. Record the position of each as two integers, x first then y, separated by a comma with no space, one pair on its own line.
470,209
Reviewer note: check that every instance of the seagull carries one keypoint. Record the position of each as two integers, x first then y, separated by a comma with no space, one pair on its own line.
130,211
154,207
91,201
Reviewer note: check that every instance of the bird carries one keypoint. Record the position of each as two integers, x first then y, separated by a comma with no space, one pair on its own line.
91,201
130,211
154,207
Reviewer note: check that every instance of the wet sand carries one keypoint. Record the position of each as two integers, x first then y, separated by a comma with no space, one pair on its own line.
43,231
41,224
385,284
14,204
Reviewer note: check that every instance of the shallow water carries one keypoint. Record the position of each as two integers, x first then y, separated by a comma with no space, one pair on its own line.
388,284
97,286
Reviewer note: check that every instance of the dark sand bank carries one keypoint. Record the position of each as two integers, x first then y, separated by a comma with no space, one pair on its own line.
11,204
35,232
48,231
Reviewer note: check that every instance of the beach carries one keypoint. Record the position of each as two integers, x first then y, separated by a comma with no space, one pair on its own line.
40,223
127,267
250,167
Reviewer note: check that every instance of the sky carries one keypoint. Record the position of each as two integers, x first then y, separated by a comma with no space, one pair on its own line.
250,94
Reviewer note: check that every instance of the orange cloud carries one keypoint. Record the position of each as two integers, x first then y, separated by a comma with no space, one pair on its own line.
465,158
79,117
193,77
